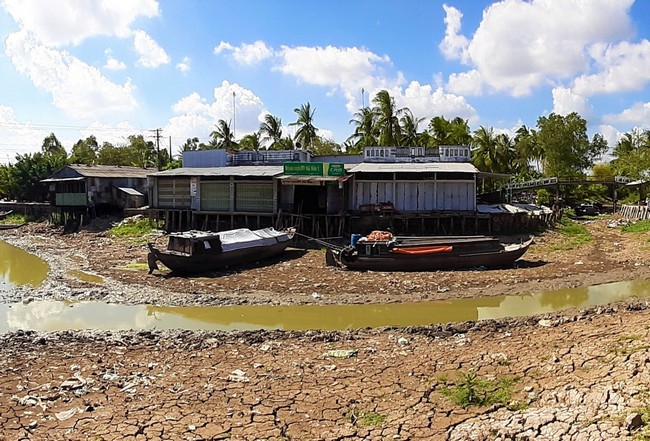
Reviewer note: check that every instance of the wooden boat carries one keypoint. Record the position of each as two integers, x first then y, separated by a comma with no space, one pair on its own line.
10,226
202,251
426,253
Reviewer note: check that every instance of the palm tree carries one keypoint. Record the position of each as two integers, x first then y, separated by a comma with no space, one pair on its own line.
441,131
271,130
409,129
306,133
460,131
445,132
528,149
485,156
505,155
387,121
365,133
222,136
250,142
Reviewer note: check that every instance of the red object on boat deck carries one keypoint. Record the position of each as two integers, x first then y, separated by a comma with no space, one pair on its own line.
423,250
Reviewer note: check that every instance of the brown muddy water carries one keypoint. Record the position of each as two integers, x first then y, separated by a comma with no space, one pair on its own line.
54,316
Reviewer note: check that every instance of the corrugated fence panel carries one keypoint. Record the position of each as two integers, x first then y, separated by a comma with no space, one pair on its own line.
174,193
254,197
215,196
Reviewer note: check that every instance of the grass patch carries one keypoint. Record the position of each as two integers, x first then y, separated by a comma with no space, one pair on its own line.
642,226
470,390
136,230
367,419
575,233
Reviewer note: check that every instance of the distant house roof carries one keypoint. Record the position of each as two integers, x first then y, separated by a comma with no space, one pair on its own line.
419,167
240,170
98,171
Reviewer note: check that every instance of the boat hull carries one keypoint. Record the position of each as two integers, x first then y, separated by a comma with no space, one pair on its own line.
462,258
194,264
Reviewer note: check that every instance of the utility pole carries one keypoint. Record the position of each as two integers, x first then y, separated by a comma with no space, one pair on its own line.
234,115
158,146
363,100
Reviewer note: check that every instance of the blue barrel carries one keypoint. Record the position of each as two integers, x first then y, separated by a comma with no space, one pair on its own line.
354,238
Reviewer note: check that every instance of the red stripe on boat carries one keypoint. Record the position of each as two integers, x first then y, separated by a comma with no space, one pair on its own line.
423,250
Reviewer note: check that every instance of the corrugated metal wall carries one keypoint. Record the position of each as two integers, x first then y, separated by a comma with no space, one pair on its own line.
414,196
173,193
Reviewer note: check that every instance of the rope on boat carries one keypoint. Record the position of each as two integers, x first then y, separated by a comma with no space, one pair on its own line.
321,242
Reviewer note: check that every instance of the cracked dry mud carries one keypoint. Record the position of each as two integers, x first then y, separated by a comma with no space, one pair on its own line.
575,375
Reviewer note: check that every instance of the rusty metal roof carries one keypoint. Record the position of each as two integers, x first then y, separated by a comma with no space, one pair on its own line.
109,171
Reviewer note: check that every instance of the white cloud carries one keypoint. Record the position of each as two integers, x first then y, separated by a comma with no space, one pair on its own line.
252,53
454,45
625,67
426,103
223,46
246,54
521,45
112,63
466,83
198,117
62,22
566,101
151,54
17,138
331,66
184,66
76,87
637,115
611,134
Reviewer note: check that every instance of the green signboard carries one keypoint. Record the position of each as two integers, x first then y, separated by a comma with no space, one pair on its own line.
335,169
314,168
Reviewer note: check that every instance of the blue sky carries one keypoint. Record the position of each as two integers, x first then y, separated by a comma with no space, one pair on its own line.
113,69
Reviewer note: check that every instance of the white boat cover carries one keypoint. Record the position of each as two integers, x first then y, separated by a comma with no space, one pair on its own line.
244,238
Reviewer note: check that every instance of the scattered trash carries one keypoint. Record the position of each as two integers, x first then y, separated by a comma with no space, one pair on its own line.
67,414
238,376
342,353
402,341
545,323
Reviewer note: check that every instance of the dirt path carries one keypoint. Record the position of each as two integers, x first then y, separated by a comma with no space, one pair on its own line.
577,375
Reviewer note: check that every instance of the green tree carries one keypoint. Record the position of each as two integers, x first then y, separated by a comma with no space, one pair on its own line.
52,146
365,130
22,180
528,150
324,146
190,145
410,136
446,132
85,151
306,132
143,153
566,149
250,142
387,119
114,155
223,137
285,143
485,155
271,130
632,154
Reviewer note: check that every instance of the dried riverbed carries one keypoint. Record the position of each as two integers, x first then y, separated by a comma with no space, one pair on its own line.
575,375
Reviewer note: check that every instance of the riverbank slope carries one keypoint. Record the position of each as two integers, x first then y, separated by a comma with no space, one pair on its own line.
572,375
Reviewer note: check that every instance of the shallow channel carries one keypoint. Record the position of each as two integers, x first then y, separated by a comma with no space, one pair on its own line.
54,315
